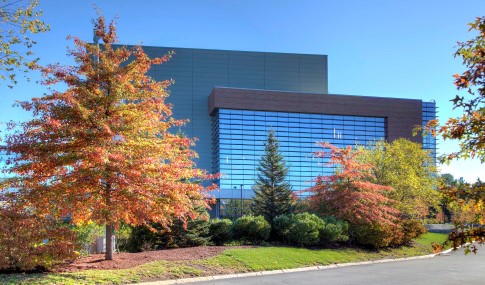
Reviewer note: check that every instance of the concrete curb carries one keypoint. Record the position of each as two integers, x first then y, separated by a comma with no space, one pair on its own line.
281,271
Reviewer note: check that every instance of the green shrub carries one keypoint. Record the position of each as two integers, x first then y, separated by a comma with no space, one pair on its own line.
306,229
283,225
252,229
142,239
231,208
194,234
220,231
375,235
301,229
334,230
123,234
411,229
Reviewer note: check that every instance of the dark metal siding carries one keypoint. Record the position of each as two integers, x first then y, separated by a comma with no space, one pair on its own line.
197,71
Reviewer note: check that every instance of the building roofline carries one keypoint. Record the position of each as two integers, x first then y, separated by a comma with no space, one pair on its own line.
223,50
317,93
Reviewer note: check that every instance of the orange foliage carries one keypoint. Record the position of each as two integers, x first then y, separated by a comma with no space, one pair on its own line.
348,194
469,128
103,150
29,243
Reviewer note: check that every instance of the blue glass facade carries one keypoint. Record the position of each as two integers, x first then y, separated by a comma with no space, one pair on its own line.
231,138
239,137
429,142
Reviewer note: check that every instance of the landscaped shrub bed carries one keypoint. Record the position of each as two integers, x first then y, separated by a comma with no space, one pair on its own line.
305,229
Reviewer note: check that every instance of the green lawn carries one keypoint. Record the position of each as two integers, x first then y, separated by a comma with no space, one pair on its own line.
429,238
230,261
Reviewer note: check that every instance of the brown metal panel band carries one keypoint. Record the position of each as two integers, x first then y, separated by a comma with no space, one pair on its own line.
403,115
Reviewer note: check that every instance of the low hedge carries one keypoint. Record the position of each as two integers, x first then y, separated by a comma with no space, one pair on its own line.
253,229
220,231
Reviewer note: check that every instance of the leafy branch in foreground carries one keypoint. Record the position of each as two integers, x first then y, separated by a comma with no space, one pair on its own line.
20,20
469,128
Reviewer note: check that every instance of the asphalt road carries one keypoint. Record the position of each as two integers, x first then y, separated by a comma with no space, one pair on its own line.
453,268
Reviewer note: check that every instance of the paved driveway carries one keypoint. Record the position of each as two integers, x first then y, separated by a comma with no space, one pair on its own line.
454,268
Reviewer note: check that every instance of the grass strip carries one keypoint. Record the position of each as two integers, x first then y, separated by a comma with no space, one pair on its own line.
230,261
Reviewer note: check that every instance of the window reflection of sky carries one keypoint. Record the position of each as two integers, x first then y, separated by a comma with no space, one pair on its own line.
239,137
429,113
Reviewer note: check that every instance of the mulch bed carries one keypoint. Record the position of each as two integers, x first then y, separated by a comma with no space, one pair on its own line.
127,260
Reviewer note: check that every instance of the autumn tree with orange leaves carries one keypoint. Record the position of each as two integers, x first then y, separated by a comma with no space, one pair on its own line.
348,194
103,150
469,128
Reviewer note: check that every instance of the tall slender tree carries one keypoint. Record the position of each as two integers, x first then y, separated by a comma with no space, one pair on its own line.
102,150
273,192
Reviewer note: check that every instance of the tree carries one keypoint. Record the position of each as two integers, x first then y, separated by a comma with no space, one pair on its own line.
447,180
194,232
469,128
20,20
273,194
102,150
348,194
466,202
409,170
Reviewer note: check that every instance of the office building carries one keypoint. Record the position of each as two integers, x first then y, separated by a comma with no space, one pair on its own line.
233,98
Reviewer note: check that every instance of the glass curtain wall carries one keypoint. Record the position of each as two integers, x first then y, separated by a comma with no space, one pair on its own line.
239,137
429,142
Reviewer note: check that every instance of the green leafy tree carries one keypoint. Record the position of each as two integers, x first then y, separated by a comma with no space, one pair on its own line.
447,179
273,193
409,170
20,20
444,212
467,206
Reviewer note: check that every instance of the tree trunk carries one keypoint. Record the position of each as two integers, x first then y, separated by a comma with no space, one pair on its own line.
109,246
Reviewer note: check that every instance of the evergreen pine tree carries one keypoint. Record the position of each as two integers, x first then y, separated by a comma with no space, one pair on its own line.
273,193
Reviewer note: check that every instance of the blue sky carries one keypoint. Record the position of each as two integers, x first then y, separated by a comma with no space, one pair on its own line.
376,48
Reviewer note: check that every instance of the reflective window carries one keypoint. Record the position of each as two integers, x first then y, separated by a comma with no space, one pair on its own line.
429,113
239,138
